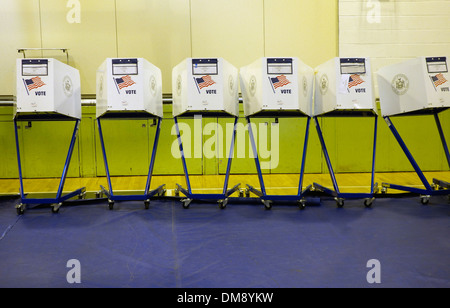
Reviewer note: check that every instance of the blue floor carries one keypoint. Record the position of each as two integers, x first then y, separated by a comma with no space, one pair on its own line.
242,246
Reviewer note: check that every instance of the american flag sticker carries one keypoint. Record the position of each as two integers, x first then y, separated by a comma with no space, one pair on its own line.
203,82
279,81
33,83
123,82
354,80
438,79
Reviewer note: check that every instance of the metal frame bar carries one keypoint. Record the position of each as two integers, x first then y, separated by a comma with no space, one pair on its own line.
188,193
59,195
147,192
428,188
336,193
262,194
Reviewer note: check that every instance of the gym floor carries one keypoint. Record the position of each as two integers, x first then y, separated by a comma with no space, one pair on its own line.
242,246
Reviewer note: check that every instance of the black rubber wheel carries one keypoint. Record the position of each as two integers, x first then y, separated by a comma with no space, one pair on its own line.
301,205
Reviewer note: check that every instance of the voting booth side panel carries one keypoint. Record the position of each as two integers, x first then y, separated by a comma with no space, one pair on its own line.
179,90
102,89
250,77
325,87
152,89
306,87
67,90
230,87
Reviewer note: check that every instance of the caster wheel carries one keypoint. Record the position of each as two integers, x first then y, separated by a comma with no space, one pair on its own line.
267,204
147,204
424,199
301,204
110,204
176,192
20,209
340,202
241,193
383,190
222,204
186,203
55,208
368,202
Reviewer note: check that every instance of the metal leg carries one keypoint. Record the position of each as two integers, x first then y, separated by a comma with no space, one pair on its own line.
372,182
180,144
152,161
255,153
407,153
327,158
441,134
105,160
231,153
22,194
302,168
69,155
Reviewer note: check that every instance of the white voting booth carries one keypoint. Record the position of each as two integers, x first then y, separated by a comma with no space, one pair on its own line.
47,87
277,87
344,85
129,85
414,85
129,88
202,86
418,86
205,87
343,89
47,90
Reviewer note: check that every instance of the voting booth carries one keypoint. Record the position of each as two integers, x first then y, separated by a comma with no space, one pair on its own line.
418,86
205,87
344,86
343,89
129,88
47,90
277,87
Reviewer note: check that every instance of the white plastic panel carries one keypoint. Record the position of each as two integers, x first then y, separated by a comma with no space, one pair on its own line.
414,85
205,85
127,85
344,85
47,86
278,85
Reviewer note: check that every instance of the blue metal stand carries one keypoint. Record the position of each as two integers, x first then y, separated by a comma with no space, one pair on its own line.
222,198
147,192
266,199
428,191
60,198
338,196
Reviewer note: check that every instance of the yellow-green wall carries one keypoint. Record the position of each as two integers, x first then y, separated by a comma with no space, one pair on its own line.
165,32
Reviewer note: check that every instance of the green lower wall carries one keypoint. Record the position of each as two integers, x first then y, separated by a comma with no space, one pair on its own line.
129,143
